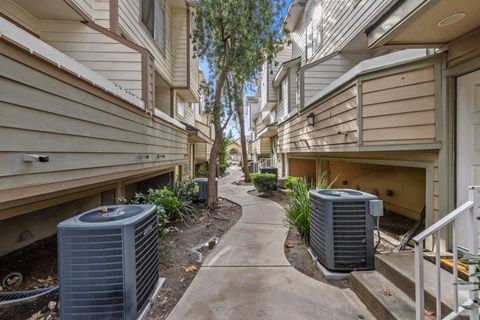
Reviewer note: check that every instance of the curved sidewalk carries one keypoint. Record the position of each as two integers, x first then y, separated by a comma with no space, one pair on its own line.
247,276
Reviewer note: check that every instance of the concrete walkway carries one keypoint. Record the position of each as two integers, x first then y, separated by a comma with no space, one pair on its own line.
247,276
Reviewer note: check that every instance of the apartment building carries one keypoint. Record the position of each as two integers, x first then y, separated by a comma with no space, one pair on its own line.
381,96
99,99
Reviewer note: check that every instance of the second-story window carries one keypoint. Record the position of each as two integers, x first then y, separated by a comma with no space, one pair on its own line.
153,17
314,31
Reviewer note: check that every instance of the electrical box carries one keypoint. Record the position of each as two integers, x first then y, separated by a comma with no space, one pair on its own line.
376,208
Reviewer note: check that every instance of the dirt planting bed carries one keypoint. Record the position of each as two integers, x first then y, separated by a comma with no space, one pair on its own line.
180,254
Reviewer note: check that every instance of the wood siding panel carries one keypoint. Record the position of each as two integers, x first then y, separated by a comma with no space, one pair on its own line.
399,108
110,58
132,28
320,75
19,15
342,21
335,124
84,135
180,39
101,13
86,6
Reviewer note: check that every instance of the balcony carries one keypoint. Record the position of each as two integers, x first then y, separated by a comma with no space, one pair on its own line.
367,110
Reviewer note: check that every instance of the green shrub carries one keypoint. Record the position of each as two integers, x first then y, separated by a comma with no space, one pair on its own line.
174,202
298,213
184,190
290,180
264,182
223,169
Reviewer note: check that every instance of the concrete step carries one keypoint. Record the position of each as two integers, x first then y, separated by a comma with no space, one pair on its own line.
399,269
381,296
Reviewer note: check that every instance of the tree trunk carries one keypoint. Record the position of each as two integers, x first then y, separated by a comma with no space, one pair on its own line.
212,199
241,119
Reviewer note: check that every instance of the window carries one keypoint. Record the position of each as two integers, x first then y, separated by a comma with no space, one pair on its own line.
282,90
153,17
180,107
297,93
314,32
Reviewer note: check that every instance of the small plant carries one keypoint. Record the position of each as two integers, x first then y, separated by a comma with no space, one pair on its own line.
290,180
298,213
264,182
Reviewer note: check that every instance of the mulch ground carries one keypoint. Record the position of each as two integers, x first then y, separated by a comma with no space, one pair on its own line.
179,265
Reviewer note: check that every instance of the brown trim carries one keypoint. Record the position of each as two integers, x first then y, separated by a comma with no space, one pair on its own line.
77,9
113,9
23,196
116,37
37,63
172,102
19,25
31,207
145,59
147,176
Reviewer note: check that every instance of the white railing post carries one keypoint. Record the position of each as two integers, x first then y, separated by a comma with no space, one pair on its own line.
473,243
419,294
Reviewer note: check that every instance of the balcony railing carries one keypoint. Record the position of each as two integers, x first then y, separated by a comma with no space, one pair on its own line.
469,210
35,46
266,163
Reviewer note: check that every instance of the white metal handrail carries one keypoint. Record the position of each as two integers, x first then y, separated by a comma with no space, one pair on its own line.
469,208
266,162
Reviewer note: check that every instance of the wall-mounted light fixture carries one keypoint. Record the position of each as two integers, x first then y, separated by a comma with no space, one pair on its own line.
311,119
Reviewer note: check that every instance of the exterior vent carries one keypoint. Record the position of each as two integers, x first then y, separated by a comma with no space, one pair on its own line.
108,263
341,229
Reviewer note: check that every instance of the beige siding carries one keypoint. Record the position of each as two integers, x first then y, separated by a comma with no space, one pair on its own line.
132,28
335,124
86,6
110,58
180,48
101,13
262,146
320,75
400,108
343,20
283,55
202,152
19,15
84,135
298,40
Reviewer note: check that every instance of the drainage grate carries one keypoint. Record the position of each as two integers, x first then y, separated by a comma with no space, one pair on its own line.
23,296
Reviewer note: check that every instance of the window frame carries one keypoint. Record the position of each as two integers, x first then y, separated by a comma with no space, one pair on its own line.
160,46
180,101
